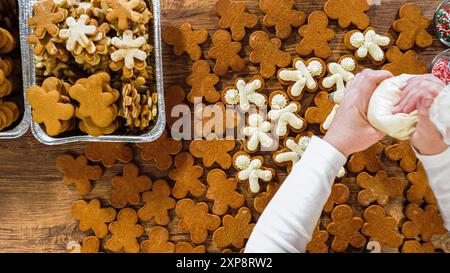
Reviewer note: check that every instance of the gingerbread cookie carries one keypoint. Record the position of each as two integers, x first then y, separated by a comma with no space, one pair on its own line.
9,113
202,83
123,13
77,171
266,52
184,247
91,244
226,53
348,12
157,203
49,106
125,232
46,14
215,122
403,152
424,222
251,170
339,74
379,188
235,230
184,39
158,241
412,27
233,16
196,220
416,247
318,243
319,113
257,133
186,176
340,194
420,189
346,229
404,63
93,217
286,114
303,75
381,228
223,192
127,189
367,45
281,15
213,151
174,97
108,153
245,93
7,43
367,160
293,150
315,36
161,151
262,199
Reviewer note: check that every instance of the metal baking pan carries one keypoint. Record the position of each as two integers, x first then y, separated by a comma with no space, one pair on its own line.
29,76
21,125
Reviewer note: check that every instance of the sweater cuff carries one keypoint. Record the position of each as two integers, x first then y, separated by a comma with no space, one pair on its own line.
435,161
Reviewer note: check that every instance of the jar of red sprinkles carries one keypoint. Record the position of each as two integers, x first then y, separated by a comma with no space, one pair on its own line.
442,22
440,67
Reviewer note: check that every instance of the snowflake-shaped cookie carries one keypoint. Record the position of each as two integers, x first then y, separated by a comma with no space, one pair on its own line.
245,94
77,34
285,113
303,74
128,49
367,44
258,132
251,170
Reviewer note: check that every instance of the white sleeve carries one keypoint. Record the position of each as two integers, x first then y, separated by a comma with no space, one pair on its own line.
437,168
288,222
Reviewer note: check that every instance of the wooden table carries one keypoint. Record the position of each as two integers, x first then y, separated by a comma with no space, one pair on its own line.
35,203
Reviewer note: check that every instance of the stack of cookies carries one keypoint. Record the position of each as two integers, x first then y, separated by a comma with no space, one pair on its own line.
76,40
9,111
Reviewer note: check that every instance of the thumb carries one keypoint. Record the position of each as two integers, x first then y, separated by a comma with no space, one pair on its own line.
424,109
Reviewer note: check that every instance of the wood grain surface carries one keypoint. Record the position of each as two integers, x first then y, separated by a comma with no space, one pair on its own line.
35,203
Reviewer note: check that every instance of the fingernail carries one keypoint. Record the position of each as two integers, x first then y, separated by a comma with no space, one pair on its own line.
427,102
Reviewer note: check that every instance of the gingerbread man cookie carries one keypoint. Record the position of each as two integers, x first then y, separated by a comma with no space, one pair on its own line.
281,15
202,83
340,194
157,203
158,241
424,222
161,151
46,14
252,170
266,52
213,151
416,247
233,16
108,152
226,53
367,45
186,176
412,27
184,247
318,243
223,192
320,113
127,189
315,36
245,94
258,134
235,230
215,121
404,63
346,229
123,12
403,152
379,188
381,228
303,75
348,12
77,171
125,232
369,160
196,220
285,113
420,189
262,199
184,39
91,244
92,216
174,97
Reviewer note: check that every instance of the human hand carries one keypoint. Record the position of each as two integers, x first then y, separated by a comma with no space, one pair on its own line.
350,131
427,139
415,90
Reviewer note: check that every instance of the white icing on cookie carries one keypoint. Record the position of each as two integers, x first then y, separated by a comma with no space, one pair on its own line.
286,116
258,132
296,151
253,173
278,102
247,94
73,247
315,68
242,162
232,97
301,76
348,64
369,44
